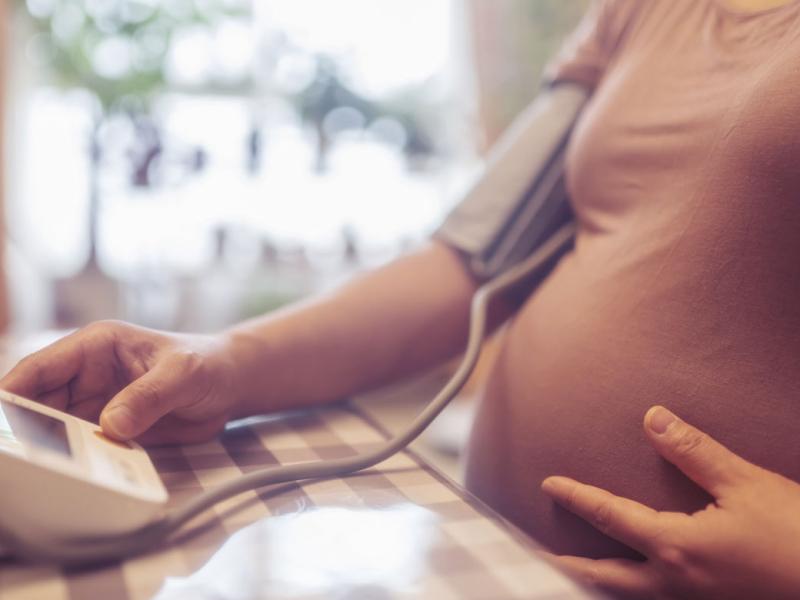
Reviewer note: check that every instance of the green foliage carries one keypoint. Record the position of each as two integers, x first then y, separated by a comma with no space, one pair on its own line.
72,35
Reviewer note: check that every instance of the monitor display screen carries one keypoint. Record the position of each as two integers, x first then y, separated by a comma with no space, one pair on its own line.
20,426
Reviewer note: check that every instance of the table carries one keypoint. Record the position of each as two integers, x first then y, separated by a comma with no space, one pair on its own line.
398,531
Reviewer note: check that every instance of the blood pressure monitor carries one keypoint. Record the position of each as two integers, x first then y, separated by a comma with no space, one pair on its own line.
62,478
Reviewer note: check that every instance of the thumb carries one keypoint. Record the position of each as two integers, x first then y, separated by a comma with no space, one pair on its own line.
704,460
141,404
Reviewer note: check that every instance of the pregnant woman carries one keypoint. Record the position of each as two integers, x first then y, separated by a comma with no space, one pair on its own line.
683,289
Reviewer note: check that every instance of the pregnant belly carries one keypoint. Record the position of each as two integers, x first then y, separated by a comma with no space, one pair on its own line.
578,370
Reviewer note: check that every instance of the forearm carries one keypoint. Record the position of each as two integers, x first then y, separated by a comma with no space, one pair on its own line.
404,317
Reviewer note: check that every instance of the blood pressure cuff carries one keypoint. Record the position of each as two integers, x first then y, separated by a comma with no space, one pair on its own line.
521,198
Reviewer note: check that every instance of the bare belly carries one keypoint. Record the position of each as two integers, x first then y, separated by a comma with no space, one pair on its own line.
581,364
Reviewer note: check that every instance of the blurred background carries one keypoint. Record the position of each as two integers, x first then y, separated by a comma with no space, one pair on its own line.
184,164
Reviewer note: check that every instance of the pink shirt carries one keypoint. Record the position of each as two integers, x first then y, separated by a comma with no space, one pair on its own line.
684,286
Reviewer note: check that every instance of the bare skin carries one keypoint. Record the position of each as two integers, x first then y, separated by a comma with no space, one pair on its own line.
744,545
756,5
161,387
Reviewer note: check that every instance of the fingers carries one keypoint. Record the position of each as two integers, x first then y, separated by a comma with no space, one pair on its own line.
629,522
58,398
175,382
46,370
704,460
623,578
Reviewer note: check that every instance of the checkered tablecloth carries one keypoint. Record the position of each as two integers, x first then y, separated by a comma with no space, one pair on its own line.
398,531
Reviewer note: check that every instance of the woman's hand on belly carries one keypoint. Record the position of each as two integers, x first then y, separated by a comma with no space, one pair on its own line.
744,545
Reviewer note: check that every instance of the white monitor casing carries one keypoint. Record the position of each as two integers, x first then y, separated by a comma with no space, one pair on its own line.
97,487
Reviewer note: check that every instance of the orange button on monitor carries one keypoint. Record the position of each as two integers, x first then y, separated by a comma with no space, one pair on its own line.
116,443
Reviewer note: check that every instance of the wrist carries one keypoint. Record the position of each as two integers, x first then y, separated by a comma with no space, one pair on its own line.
241,357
